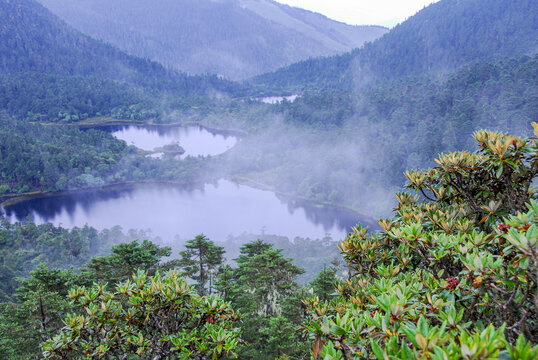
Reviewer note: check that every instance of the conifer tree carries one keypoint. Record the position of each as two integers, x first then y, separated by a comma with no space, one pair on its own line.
127,258
264,277
263,289
200,260
323,285
37,314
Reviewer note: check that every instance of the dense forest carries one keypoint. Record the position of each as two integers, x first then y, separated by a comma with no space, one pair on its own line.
379,132
36,282
34,40
451,272
45,158
437,40
49,71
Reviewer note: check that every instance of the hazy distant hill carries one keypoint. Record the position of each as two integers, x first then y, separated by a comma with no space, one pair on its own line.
437,40
234,38
34,40
49,70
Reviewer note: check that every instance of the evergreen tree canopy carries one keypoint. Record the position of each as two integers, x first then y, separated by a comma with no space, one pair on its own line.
200,261
127,258
263,289
264,277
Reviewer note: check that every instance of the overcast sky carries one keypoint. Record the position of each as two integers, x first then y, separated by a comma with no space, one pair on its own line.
363,12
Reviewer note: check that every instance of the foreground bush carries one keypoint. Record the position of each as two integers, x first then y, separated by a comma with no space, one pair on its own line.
453,275
156,317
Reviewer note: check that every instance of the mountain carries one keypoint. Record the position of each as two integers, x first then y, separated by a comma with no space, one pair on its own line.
33,39
422,89
233,38
48,68
437,40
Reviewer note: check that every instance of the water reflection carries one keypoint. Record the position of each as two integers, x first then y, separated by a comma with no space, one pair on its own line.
217,210
277,99
194,139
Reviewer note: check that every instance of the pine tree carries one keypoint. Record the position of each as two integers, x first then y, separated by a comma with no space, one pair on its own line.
323,284
200,261
264,277
263,289
127,258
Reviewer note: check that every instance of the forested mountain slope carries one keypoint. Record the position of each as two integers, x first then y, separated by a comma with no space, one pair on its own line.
33,39
422,89
234,38
47,67
437,40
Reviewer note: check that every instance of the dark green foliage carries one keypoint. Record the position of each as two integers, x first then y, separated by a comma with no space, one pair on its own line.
37,314
35,311
323,110
34,40
324,284
266,277
200,261
437,40
281,337
450,33
308,254
43,157
49,72
23,247
42,97
323,73
126,259
263,289
57,158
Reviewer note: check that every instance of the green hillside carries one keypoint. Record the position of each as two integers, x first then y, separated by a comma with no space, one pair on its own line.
437,40
48,68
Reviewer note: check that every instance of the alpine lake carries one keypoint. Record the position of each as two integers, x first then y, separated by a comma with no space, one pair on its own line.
216,209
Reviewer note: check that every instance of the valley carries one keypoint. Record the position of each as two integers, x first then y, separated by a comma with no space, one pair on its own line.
202,180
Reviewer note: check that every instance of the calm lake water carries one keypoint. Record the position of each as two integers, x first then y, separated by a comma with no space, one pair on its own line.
216,210
194,139
277,99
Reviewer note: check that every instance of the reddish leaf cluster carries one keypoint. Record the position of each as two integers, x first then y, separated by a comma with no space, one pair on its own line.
452,283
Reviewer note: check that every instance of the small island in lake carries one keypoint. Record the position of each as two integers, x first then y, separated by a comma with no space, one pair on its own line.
172,149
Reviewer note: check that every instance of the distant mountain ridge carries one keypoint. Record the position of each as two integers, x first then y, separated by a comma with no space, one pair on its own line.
437,41
233,38
35,40
51,72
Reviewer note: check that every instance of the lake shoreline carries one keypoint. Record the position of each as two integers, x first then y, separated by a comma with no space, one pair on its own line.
242,180
13,199
106,121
